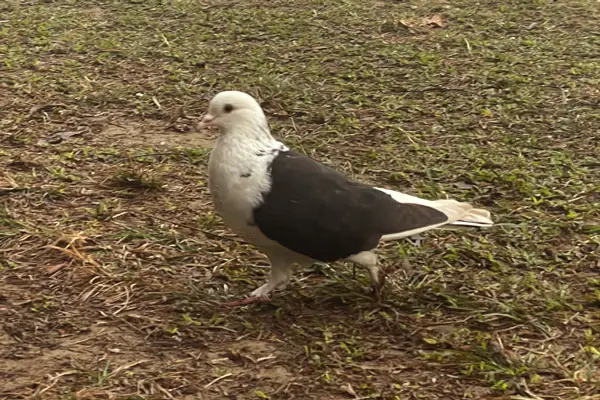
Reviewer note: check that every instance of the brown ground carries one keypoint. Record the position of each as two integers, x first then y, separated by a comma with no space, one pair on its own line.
114,269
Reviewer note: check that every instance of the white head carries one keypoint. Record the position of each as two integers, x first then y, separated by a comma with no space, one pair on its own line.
232,109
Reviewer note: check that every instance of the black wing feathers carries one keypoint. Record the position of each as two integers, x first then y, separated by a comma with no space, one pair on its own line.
317,211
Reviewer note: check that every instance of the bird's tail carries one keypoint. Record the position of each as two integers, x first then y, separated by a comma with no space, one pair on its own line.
459,214
463,214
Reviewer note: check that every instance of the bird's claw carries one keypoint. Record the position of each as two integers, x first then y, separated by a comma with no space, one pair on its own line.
378,287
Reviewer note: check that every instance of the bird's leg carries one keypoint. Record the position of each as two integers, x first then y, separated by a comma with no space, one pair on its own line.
377,281
377,284
368,260
280,272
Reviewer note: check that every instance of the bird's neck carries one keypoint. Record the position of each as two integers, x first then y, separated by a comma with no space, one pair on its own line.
253,133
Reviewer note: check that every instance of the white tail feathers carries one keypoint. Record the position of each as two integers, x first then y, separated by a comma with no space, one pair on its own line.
477,217
459,214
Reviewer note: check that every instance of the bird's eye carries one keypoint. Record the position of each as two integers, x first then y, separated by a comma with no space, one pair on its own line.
228,108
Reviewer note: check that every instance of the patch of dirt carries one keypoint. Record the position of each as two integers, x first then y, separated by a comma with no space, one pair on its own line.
29,362
95,13
126,133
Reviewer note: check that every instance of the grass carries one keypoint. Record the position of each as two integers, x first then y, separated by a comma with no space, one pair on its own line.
114,267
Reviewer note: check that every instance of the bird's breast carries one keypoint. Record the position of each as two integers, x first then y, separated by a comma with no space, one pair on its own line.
237,181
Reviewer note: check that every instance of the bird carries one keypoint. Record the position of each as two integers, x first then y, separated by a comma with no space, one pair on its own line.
297,210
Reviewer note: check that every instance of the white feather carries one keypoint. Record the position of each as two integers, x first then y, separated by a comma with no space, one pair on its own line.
459,214
234,196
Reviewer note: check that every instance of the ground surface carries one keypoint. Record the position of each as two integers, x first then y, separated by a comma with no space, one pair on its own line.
108,290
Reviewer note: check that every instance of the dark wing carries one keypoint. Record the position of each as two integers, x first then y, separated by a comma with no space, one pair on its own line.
317,211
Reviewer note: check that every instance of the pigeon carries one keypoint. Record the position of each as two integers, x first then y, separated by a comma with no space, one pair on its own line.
297,210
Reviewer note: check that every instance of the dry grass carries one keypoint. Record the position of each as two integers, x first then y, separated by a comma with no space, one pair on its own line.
114,267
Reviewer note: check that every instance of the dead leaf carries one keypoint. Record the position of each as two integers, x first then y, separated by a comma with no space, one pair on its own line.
53,268
405,23
463,185
43,108
435,20
60,136
347,387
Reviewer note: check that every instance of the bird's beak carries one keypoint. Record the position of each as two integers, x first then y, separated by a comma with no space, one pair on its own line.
206,122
